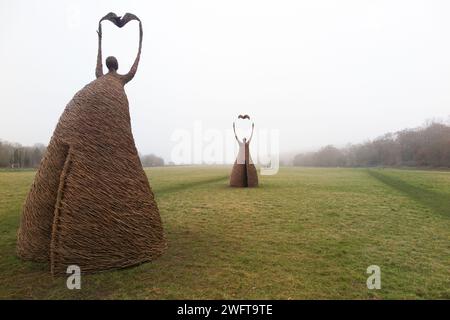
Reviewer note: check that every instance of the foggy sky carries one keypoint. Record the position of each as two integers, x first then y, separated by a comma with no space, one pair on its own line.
321,72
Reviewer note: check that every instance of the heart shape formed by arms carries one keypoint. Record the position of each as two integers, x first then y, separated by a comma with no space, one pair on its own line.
119,22
243,117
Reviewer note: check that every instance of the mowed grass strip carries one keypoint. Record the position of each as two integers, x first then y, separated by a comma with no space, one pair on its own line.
305,233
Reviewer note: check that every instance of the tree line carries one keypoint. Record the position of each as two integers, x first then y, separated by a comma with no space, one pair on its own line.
427,146
14,155
150,160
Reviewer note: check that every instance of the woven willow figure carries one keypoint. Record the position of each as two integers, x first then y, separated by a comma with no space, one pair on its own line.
244,171
91,203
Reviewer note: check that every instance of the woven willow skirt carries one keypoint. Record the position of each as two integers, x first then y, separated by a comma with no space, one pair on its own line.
91,204
244,175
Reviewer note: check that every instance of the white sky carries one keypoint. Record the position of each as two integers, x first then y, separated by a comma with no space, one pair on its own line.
321,72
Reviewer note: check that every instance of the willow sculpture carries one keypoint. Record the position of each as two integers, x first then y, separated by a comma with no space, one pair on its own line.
91,203
244,171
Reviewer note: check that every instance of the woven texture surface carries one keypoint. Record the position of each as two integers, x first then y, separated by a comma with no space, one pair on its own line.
244,172
91,203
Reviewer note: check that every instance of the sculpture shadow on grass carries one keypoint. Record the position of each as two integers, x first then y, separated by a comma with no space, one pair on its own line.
188,185
438,202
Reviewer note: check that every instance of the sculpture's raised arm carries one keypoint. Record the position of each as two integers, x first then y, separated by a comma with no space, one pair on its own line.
251,136
130,75
235,135
99,68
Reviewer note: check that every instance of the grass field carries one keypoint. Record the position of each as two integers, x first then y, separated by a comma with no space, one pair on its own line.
305,233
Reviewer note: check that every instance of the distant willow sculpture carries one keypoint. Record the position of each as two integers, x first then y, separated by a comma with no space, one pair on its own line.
244,171
91,204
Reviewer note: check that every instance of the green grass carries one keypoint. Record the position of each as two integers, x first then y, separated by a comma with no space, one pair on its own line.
303,234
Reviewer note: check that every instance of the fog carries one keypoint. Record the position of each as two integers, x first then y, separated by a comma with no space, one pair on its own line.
319,72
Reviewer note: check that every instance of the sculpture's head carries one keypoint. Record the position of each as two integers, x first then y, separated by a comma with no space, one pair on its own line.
112,64
245,140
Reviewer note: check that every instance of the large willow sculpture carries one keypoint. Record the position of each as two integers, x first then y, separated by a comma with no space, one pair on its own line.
91,204
244,172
